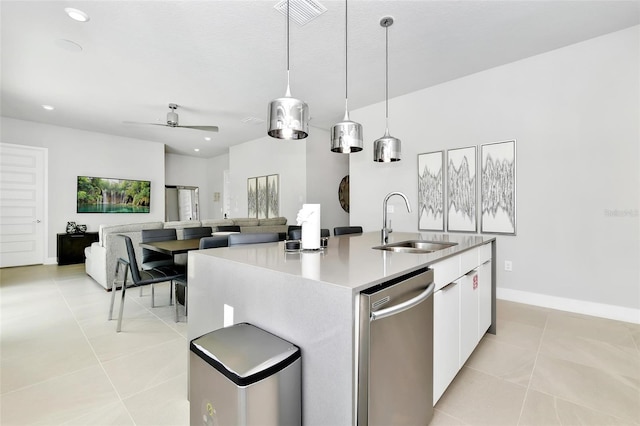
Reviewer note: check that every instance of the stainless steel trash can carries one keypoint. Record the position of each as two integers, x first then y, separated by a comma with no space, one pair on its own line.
243,375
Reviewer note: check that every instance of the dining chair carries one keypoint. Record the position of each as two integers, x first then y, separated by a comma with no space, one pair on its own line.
214,242
228,228
253,238
182,282
343,230
197,232
153,259
140,277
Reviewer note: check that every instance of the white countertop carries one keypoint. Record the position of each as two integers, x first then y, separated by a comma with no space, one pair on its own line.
348,261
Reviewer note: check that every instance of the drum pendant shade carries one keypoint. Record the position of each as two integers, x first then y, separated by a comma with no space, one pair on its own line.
387,149
346,136
288,118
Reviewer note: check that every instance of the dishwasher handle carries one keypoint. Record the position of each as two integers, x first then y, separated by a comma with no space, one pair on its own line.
401,307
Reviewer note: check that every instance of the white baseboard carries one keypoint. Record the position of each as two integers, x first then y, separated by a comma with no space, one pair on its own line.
51,261
602,310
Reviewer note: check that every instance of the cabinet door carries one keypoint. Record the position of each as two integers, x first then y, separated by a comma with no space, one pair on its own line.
484,302
446,334
468,314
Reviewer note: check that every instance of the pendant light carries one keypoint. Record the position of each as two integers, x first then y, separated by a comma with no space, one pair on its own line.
387,148
288,117
346,136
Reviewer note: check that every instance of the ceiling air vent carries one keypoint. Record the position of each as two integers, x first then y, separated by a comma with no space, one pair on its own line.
252,120
301,11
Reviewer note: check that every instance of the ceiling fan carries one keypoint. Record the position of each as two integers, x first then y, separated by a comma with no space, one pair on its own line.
172,121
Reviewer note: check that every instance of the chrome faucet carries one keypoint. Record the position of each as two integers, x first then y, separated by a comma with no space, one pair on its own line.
385,229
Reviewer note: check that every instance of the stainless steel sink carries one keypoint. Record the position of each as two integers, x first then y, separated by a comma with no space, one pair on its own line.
415,246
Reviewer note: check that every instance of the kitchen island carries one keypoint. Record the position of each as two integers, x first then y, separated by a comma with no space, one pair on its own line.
311,300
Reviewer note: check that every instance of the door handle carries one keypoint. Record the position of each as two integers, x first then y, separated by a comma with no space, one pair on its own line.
400,307
36,221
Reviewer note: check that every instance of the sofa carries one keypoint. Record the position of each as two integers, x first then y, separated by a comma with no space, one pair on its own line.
102,256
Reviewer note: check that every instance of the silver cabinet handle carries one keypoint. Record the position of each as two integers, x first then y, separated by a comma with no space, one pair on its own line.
448,285
471,272
400,307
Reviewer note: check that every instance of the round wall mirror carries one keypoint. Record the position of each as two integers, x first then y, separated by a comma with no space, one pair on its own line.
343,193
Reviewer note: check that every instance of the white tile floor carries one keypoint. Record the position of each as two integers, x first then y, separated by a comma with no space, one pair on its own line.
62,363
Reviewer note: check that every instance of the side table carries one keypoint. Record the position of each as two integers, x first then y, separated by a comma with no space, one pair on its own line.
71,247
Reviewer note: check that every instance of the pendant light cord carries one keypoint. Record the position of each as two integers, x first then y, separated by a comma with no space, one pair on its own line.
346,56
288,94
386,93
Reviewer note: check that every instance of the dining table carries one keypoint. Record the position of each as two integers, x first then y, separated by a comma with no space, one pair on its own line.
172,247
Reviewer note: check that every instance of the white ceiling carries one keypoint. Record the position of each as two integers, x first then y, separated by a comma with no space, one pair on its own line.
224,61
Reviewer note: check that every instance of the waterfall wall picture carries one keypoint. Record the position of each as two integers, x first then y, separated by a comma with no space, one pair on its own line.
109,195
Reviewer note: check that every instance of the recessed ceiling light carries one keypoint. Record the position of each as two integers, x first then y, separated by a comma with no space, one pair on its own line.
207,138
196,149
47,107
76,14
68,45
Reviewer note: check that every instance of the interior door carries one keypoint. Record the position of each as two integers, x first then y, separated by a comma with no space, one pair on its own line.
22,193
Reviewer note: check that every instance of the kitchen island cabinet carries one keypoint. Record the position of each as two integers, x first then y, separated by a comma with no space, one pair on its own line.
310,299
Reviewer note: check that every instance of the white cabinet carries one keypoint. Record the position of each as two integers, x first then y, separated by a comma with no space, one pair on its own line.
461,311
446,342
445,271
468,315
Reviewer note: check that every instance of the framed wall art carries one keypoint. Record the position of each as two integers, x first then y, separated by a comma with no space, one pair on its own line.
431,191
273,196
109,195
261,189
498,188
263,196
252,197
462,190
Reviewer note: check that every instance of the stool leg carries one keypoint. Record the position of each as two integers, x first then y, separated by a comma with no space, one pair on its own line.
186,298
124,288
176,287
153,296
113,292
114,287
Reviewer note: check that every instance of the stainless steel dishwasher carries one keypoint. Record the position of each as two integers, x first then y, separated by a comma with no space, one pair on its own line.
395,361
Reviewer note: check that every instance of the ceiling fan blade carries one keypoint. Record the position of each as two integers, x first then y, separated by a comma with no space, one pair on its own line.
145,124
205,128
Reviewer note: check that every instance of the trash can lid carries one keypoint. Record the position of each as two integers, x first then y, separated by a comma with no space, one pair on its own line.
245,353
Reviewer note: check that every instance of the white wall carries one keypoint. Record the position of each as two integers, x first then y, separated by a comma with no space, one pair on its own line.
268,156
309,173
325,170
215,177
190,171
205,173
74,153
575,114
